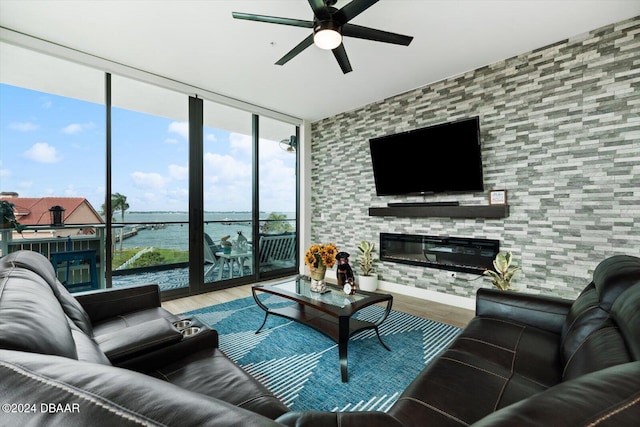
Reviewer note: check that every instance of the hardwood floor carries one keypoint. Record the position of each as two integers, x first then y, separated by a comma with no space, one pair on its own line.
418,307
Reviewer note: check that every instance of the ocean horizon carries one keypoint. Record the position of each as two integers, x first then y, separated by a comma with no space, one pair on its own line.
174,232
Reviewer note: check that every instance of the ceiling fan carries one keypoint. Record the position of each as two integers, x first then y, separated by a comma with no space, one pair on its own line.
329,26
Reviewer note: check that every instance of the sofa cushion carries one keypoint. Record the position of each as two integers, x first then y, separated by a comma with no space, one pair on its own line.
98,395
513,348
86,348
491,364
212,373
591,338
31,318
626,314
607,398
615,275
40,265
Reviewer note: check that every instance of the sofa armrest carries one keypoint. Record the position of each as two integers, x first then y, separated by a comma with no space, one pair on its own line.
540,311
206,339
338,419
108,303
139,339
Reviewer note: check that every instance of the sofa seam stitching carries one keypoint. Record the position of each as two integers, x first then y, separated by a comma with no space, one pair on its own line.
82,394
474,367
440,411
611,413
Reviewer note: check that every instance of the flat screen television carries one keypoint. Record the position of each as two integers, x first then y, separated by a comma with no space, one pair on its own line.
435,159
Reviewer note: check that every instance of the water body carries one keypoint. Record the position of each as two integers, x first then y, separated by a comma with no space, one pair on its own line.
173,229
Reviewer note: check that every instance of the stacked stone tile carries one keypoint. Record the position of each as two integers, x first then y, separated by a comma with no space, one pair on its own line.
560,129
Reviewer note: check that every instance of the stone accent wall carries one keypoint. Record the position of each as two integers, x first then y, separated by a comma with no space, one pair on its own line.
560,129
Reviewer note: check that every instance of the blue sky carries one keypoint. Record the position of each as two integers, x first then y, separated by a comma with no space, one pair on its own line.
55,146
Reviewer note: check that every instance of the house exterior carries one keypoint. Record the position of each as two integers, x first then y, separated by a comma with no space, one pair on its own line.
34,211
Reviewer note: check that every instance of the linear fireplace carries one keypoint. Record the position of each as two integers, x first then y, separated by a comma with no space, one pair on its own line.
446,253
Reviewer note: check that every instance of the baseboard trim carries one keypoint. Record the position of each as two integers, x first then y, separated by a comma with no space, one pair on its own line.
411,291
454,300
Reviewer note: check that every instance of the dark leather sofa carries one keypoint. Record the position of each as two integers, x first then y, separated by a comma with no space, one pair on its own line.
524,360
57,348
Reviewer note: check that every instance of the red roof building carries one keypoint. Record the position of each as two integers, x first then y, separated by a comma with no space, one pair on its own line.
32,211
35,211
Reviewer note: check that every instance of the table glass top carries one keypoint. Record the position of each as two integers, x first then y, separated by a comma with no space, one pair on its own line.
333,296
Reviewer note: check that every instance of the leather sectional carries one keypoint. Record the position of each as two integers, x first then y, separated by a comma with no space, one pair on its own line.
116,357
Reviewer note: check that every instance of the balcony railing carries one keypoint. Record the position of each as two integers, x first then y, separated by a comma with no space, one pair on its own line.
154,252
48,240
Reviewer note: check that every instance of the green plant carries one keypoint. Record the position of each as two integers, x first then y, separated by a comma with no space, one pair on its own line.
149,259
366,259
8,217
276,223
501,278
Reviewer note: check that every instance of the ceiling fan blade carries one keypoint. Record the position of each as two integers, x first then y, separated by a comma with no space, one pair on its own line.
273,19
296,50
353,9
343,60
320,10
357,31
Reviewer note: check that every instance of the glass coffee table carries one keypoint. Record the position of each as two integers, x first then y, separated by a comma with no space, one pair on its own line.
330,313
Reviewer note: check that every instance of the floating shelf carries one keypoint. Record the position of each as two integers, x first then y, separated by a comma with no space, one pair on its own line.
491,211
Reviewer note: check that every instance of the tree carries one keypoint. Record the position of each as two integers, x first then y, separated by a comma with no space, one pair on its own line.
276,223
119,203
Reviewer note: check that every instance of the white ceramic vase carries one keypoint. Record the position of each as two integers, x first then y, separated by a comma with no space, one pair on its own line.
368,283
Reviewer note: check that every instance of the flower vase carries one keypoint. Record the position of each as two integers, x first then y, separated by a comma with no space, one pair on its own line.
317,278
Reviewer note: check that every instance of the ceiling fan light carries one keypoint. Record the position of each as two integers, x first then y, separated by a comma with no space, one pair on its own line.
327,35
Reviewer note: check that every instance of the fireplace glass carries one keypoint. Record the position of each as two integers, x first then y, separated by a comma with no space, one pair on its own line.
462,254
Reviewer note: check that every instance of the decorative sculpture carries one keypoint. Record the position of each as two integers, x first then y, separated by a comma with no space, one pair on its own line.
344,271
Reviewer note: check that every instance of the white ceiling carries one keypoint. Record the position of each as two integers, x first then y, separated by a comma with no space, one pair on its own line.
197,42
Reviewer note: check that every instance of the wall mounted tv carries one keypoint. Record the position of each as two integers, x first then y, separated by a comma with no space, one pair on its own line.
434,159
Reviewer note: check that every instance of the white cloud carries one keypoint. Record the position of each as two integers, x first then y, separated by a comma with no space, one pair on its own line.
225,168
75,128
71,191
148,180
171,141
271,150
181,128
25,185
178,172
210,137
239,142
278,194
23,126
43,153
5,173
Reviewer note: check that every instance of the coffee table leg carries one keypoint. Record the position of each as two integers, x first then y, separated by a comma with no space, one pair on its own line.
266,314
343,343
262,306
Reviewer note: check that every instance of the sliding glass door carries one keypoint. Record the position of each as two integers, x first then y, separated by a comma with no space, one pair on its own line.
149,185
277,188
227,190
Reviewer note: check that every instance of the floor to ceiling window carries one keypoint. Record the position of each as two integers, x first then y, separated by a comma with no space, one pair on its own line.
227,192
70,134
52,154
149,183
277,154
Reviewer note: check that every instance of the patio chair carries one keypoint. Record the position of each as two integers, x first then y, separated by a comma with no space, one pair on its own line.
210,258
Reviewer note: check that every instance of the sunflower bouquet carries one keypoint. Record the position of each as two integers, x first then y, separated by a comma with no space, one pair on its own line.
321,255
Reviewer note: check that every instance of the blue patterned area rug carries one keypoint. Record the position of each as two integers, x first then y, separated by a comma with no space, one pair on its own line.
301,366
